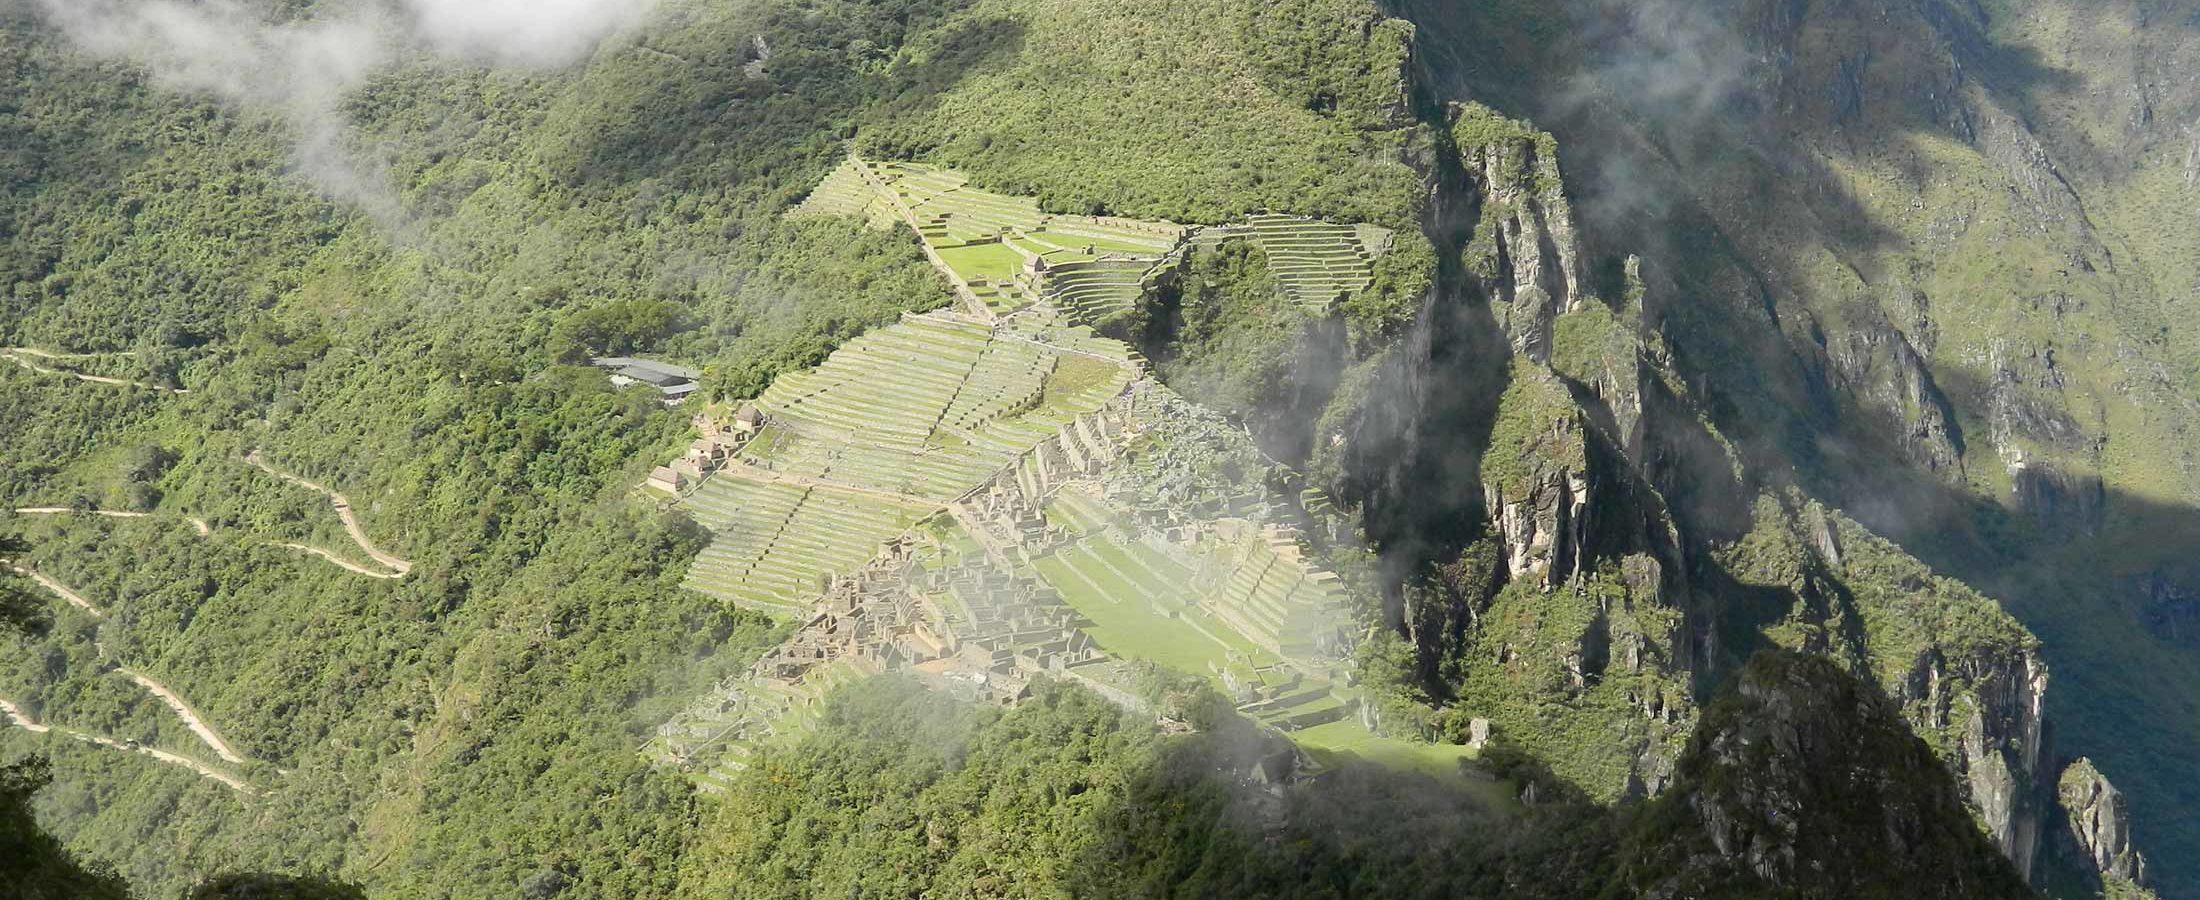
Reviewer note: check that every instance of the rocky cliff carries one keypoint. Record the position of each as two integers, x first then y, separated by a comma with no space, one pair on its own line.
1526,252
2098,832
1889,266
1535,479
1805,782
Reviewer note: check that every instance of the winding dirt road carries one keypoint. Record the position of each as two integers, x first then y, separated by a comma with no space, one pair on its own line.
189,716
62,591
199,524
16,354
340,561
343,511
19,719
174,701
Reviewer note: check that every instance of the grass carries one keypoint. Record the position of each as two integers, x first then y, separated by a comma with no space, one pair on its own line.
1344,741
1161,578
1077,243
994,261
1077,512
1128,627
1075,375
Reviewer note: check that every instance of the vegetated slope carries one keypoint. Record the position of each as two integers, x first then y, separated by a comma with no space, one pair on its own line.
35,865
632,204
1896,255
1070,793
1803,782
471,730
1066,792
1191,112
421,381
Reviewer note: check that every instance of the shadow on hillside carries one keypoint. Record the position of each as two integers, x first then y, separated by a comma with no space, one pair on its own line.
1201,821
2125,682
1701,185
710,102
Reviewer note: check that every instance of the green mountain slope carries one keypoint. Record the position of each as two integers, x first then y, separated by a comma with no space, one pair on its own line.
1666,335
1902,238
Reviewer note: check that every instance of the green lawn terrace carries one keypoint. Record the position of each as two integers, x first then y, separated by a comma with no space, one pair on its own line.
948,213
889,430
1263,588
1319,263
1218,600
1098,290
933,405
777,544
1009,254
1140,605
1145,602
847,193
1077,342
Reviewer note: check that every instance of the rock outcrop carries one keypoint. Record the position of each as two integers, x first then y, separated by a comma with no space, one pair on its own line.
1999,753
1962,672
1526,250
2044,447
1877,364
1804,783
1973,683
2098,831
1536,481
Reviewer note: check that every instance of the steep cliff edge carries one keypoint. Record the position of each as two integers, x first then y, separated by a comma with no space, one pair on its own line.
1804,782
2097,835
1526,254
1918,263
1965,675
1535,479
1612,576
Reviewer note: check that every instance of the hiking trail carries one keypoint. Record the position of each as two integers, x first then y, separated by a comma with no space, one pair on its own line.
343,511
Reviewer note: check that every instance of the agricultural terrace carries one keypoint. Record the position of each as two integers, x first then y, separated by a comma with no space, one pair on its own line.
1233,609
938,496
719,739
1004,254
1317,263
888,430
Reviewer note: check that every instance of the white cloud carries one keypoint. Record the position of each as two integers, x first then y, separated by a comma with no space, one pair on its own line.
301,69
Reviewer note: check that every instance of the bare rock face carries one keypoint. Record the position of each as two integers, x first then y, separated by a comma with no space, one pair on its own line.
1526,250
2099,826
1877,364
2000,755
1982,703
2039,439
1535,479
1961,671
2064,502
2169,604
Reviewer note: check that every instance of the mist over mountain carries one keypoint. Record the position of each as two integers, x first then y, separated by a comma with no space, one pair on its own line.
1624,448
